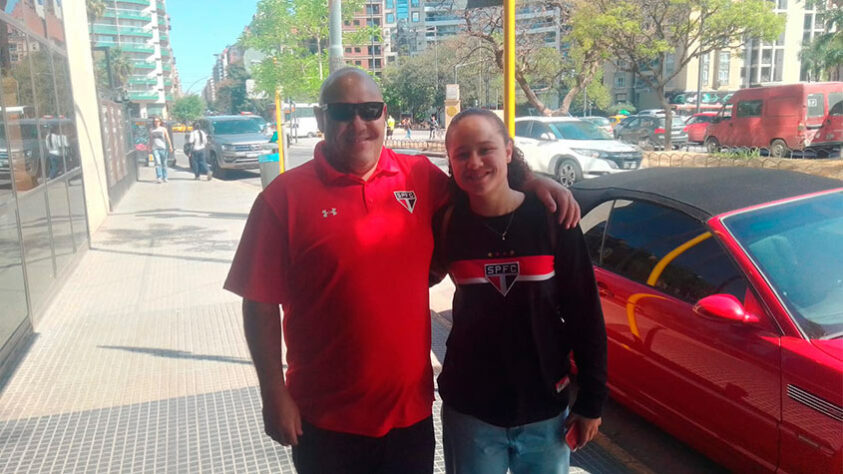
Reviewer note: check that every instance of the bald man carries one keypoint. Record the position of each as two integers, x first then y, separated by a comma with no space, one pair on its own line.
343,244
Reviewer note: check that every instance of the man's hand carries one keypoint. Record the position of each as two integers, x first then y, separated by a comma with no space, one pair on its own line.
556,198
281,418
588,428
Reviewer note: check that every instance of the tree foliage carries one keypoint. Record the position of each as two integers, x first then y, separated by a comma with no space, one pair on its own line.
188,108
294,36
95,9
642,34
824,53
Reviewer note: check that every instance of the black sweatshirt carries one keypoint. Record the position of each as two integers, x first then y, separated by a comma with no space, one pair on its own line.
521,305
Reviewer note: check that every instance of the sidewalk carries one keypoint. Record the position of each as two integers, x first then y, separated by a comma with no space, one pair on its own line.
140,365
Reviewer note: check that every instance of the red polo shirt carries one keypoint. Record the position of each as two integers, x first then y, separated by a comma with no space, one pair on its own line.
348,261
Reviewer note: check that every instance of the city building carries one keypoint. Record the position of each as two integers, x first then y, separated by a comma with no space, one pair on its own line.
758,63
371,54
141,29
49,202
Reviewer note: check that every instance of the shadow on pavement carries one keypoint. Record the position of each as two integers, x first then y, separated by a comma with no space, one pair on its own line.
176,354
158,255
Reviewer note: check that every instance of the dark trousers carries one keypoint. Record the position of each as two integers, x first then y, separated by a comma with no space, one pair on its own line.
401,451
199,162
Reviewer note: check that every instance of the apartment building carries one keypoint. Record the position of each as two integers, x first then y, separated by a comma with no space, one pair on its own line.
757,63
141,29
371,54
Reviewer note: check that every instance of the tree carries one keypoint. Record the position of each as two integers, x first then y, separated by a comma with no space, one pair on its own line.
231,93
643,34
824,53
294,35
95,9
188,108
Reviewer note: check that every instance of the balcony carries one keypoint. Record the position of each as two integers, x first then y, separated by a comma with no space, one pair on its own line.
160,6
104,29
129,48
145,96
143,65
164,38
165,52
143,81
167,68
106,44
128,15
168,82
169,97
135,2
127,31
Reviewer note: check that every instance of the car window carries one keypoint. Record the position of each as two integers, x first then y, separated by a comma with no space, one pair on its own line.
538,129
631,123
578,130
835,103
522,128
816,105
593,227
702,270
236,127
749,108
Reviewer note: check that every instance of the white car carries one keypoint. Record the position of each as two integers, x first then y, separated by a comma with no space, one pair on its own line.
570,149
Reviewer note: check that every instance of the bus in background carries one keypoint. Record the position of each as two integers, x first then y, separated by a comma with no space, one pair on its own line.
300,121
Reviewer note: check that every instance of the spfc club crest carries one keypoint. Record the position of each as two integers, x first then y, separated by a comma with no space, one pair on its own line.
502,275
406,199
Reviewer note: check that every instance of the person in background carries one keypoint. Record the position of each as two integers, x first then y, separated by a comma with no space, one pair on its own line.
433,124
198,140
161,146
56,146
390,126
407,130
525,297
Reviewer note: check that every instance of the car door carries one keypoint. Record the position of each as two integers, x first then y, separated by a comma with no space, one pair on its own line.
629,127
713,383
522,136
539,154
745,128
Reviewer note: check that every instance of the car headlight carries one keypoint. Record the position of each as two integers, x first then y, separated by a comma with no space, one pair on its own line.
589,153
227,147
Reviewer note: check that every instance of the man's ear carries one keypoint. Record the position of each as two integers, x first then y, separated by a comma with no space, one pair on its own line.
320,117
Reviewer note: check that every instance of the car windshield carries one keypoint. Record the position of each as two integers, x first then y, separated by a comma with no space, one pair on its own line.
599,121
578,130
677,122
835,103
798,246
236,127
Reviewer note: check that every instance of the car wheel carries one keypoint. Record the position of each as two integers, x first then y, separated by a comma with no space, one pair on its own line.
218,171
779,149
568,172
712,145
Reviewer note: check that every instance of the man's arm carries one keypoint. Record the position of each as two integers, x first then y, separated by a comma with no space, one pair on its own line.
555,197
262,326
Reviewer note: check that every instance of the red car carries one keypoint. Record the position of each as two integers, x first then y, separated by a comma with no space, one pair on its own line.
696,125
722,292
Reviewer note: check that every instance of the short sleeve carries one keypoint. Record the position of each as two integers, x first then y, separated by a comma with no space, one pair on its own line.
260,264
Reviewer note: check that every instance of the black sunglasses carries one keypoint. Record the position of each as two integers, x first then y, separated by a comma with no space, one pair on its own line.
344,112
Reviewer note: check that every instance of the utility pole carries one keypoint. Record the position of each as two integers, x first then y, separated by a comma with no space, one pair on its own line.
699,72
335,49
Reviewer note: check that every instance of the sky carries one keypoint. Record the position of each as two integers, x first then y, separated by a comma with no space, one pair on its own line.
201,28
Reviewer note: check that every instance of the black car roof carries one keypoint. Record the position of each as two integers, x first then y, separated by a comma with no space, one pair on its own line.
701,192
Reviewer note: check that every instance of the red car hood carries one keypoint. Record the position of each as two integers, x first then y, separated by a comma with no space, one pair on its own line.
833,347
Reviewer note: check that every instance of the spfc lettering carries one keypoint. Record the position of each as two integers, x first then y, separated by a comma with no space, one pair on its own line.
406,199
502,275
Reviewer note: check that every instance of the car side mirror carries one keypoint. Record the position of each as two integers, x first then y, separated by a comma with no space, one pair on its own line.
724,307
547,136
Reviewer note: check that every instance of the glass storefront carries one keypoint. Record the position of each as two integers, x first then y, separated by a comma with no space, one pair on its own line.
43,222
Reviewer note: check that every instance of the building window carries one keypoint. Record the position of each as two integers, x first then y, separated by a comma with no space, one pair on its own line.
705,59
357,63
356,50
669,63
390,18
723,68
356,22
620,98
620,80
782,4
415,17
347,50
414,3
377,63
389,4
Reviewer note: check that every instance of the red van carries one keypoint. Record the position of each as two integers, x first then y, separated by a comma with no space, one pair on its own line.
805,116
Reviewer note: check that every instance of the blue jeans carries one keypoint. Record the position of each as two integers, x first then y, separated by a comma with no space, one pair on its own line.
473,446
160,156
200,162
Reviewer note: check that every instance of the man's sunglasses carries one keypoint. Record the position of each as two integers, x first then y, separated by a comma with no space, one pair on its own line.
344,112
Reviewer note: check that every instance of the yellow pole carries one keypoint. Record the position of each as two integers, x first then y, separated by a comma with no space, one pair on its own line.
509,65
279,126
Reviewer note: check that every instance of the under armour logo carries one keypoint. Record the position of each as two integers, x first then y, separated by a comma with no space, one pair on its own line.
326,212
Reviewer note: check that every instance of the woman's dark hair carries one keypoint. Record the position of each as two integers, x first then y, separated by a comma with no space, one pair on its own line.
517,171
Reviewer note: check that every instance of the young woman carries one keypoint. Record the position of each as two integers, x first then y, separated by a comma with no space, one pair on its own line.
525,297
161,146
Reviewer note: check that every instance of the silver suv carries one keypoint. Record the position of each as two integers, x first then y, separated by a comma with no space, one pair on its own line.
234,143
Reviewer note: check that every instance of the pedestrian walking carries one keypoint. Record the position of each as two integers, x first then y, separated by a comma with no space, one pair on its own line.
390,126
433,124
56,147
525,296
356,397
198,141
161,146
407,129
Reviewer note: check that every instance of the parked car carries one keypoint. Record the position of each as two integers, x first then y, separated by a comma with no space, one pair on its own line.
179,127
570,149
602,123
648,131
616,119
722,293
235,142
651,112
805,116
696,125
621,124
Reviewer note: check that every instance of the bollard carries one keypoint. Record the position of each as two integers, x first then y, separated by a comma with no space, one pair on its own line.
269,167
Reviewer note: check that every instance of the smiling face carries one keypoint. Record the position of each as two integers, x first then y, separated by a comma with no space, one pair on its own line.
352,146
479,156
